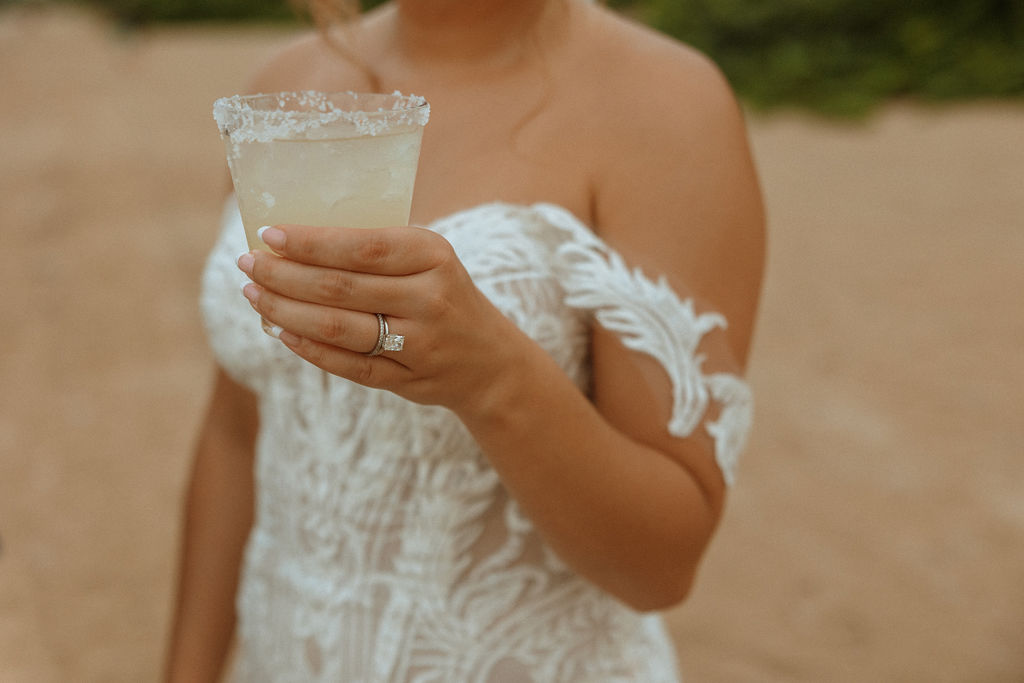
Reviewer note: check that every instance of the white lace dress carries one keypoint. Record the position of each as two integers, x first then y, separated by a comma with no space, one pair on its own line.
385,548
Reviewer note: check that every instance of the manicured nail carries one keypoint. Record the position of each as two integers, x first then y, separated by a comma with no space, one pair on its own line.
251,292
275,331
271,236
287,337
245,262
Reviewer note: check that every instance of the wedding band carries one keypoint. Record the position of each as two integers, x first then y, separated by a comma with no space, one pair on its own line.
385,340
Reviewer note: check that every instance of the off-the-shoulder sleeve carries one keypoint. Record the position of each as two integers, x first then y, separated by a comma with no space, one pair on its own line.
649,317
233,328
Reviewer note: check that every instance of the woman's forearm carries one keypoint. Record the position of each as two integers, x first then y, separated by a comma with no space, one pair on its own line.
631,512
625,515
218,517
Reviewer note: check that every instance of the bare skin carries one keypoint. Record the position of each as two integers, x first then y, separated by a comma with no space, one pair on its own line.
640,138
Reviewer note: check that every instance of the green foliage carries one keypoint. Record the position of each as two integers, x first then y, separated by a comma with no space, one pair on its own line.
833,56
843,56
141,12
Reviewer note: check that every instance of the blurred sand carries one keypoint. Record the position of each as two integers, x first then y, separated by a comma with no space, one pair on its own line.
876,533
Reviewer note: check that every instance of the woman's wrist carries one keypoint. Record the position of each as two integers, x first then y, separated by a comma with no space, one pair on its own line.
506,394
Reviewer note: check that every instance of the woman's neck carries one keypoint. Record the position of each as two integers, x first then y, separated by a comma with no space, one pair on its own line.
484,31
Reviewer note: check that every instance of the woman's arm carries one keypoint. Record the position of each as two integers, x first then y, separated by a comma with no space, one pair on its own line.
624,502
218,517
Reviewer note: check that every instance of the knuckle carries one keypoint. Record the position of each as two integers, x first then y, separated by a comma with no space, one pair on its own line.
441,253
364,373
336,286
267,305
329,327
435,303
301,243
374,250
262,266
314,353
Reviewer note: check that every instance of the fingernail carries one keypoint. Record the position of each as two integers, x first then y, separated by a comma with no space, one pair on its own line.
271,236
245,262
287,337
275,331
251,292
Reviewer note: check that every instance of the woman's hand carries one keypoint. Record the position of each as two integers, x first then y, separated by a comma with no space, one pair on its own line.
324,286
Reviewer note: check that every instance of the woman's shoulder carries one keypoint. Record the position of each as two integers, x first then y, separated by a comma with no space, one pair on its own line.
654,75
656,101
675,185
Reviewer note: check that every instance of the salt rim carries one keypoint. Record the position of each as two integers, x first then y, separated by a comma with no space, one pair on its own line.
238,120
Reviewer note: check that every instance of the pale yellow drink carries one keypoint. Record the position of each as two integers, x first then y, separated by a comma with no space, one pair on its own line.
329,159
326,159
359,182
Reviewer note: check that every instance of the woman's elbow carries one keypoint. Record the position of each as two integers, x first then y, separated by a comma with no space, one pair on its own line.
657,594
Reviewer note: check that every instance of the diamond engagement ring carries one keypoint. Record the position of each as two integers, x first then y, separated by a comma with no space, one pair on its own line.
385,340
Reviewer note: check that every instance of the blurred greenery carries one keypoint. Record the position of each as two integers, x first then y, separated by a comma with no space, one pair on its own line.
837,57
844,56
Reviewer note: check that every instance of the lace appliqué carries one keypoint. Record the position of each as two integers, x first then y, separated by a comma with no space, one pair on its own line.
384,547
649,317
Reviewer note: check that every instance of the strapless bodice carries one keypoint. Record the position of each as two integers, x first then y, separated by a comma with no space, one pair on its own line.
385,547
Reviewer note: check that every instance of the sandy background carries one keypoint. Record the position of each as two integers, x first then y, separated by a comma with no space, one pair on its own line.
877,530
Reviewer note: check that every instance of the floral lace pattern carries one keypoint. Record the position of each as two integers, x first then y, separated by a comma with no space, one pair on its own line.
650,318
385,547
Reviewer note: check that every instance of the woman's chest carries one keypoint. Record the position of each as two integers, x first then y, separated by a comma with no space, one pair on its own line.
479,152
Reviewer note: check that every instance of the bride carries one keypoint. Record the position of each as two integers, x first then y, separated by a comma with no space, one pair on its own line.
516,493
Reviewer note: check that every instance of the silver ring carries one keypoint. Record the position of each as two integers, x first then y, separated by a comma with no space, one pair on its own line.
385,340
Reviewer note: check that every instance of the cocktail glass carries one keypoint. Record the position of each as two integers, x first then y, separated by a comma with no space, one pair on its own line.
325,159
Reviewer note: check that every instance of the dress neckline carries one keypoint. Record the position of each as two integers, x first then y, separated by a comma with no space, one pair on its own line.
535,207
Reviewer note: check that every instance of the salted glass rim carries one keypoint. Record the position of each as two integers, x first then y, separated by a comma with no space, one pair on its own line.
265,116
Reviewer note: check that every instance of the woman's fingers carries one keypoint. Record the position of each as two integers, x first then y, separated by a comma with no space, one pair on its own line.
381,251
324,286
320,285
378,372
354,331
